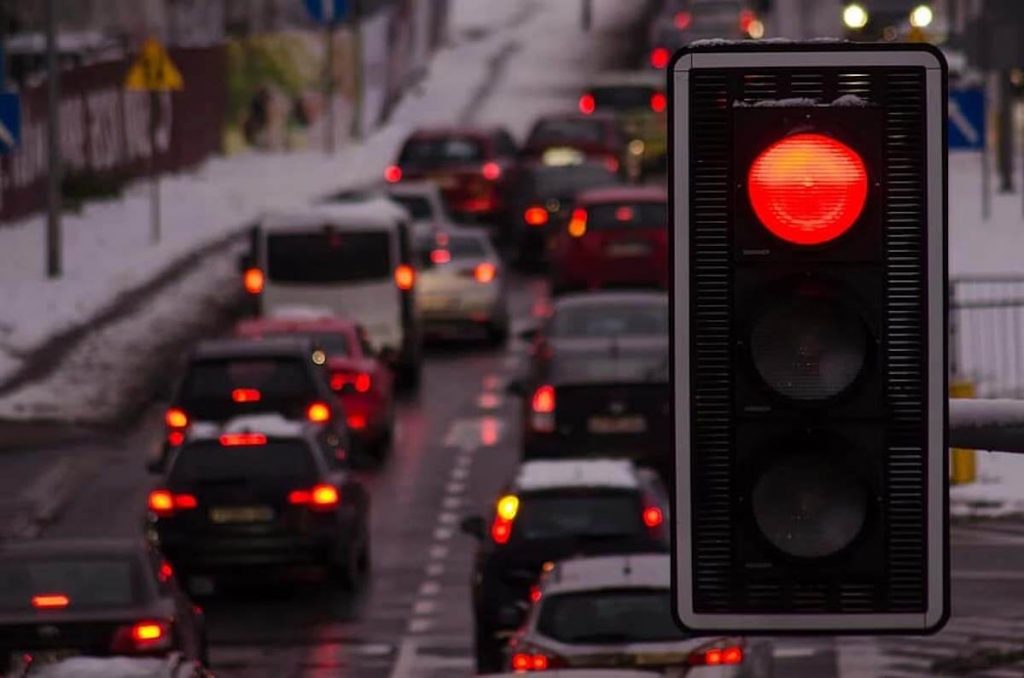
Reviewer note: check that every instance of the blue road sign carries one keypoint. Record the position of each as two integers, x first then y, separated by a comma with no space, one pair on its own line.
967,119
327,11
10,122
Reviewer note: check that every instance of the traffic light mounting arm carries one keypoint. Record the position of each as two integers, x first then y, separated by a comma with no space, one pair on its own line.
996,425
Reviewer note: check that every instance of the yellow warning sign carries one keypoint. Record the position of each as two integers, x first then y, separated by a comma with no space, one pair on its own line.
153,70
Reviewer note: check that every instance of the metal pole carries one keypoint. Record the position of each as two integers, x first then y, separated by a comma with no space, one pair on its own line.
329,84
357,71
53,192
1005,150
154,177
587,14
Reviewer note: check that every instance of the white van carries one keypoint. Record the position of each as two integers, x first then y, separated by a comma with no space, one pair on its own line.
353,259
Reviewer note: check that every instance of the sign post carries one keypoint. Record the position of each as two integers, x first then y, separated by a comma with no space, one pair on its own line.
155,73
330,13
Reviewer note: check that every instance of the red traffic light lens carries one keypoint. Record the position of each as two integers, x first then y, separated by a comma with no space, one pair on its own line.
808,189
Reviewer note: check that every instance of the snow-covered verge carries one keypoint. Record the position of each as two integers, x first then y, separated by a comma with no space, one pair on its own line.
998,490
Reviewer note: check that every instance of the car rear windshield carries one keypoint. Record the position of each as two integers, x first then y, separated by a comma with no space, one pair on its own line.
578,513
418,207
458,246
548,132
567,181
210,461
608,320
88,582
328,257
623,97
610,216
452,150
276,379
336,344
610,617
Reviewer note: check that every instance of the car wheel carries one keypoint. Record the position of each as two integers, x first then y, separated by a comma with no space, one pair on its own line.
347,568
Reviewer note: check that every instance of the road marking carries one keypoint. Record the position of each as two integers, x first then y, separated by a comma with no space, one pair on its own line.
435,569
447,518
463,460
455,487
423,608
462,434
489,401
493,382
490,431
460,473
429,588
438,552
443,533
451,503
417,625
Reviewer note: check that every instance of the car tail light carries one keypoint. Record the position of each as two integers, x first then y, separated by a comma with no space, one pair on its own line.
165,571
659,102
505,513
392,174
587,104
321,497
318,413
682,20
165,503
717,656
808,189
485,272
143,636
405,277
491,171
536,216
346,381
253,281
440,256
528,658
542,409
653,516
50,601
175,438
611,163
747,19
243,439
176,418
246,395
535,594
356,422
660,57
578,223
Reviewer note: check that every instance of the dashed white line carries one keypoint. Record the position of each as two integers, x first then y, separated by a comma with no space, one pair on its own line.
460,473
423,608
418,625
438,552
429,588
455,487
447,518
443,533
435,569
451,503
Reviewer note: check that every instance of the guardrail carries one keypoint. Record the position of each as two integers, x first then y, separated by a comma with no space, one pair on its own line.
986,333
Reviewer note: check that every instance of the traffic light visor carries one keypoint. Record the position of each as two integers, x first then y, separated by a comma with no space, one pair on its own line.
808,189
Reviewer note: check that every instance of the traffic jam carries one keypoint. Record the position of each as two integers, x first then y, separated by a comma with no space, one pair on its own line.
526,275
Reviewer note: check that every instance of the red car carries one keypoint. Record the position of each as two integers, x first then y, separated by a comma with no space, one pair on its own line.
362,381
471,166
615,237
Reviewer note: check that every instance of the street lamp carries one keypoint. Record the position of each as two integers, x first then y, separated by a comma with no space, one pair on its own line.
921,17
855,16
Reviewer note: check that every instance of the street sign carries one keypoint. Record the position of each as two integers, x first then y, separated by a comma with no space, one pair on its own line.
967,119
327,11
10,122
808,194
153,70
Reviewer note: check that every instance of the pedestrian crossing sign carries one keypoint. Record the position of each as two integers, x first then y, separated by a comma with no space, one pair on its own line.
153,71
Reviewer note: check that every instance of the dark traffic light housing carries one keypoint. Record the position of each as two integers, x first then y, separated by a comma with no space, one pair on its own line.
809,264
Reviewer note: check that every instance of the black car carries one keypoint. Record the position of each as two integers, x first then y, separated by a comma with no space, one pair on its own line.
554,510
542,200
598,381
260,491
227,378
104,597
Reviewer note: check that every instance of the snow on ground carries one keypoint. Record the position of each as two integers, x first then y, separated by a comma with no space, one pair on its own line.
998,491
978,246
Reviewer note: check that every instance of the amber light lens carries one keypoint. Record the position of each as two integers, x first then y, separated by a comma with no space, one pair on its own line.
808,189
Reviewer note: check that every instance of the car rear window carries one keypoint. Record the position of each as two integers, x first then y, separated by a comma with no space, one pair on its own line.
555,515
328,257
336,344
88,582
569,180
274,378
605,217
442,151
458,246
548,132
209,461
623,97
610,617
417,207
610,320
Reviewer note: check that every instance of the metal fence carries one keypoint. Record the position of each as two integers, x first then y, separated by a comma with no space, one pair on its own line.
986,333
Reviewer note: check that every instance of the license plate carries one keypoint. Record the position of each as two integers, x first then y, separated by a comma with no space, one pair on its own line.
241,514
628,249
605,425
444,181
661,658
438,303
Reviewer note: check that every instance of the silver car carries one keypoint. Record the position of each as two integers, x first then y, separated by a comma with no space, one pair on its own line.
616,611
461,285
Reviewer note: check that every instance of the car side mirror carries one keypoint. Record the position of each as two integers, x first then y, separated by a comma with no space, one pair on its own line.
474,526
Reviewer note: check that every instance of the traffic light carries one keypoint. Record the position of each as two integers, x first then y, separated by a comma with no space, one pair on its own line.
808,190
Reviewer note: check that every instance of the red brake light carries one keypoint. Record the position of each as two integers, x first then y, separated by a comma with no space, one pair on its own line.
176,418
356,422
392,174
440,256
242,439
522,661
164,503
653,517
145,631
732,655
543,399
660,57
683,20
143,636
485,272
246,395
717,656
501,530
624,213
253,280
747,17
659,102
535,594
175,438
491,171
318,413
536,216
361,382
611,163
405,277
320,496
808,188
49,601
587,104
165,572
578,223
